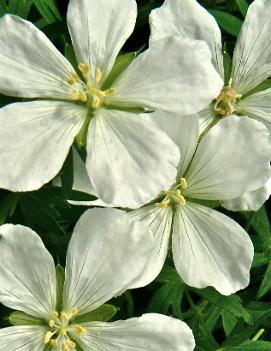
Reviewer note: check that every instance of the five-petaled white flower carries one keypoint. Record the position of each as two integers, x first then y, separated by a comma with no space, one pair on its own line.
105,255
35,137
209,248
243,93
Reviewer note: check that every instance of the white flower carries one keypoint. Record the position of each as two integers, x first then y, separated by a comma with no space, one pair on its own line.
209,248
35,137
105,255
251,66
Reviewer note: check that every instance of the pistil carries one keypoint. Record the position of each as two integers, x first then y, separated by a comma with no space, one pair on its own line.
226,102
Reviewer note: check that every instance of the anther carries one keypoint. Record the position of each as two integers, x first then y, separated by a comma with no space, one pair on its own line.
84,69
183,183
163,204
71,344
181,198
83,96
51,323
98,75
54,315
48,337
75,95
79,330
96,102
54,342
73,78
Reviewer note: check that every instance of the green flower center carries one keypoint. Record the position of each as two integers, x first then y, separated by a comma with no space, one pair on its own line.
226,102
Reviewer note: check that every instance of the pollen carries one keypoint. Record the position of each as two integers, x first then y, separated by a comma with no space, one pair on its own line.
98,75
48,337
73,78
79,330
84,69
96,102
183,183
180,197
163,204
54,342
51,323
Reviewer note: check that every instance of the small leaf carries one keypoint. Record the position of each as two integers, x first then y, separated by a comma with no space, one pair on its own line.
231,304
242,6
250,346
48,10
60,279
21,318
229,321
229,23
101,314
121,63
265,286
8,206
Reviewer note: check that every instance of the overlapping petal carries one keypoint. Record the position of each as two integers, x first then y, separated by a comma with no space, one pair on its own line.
151,332
35,140
251,201
22,338
99,29
105,255
258,105
159,221
30,65
173,75
210,249
129,159
187,19
184,131
27,272
252,54
231,159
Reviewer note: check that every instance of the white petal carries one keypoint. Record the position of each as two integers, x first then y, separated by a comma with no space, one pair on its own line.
173,75
35,138
99,29
129,159
258,105
22,338
187,19
210,249
184,131
81,182
251,201
151,332
159,221
232,158
27,272
252,54
30,65
108,251
206,118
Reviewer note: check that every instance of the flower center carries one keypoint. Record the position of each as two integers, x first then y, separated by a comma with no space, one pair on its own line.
60,327
88,91
225,103
174,196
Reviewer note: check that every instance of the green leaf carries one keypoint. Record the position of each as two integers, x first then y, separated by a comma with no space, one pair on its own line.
21,318
265,286
227,67
229,321
229,23
48,9
66,175
70,55
260,223
60,279
101,314
121,63
250,346
8,206
20,7
231,304
242,6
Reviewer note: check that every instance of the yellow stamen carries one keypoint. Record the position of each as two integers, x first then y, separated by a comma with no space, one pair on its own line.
181,198
96,102
84,69
183,183
73,78
79,330
65,347
98,75
54,315
75,95
74,311
48,337
110,92
54,342
225,103
71,344
51,323
83,96
163,204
